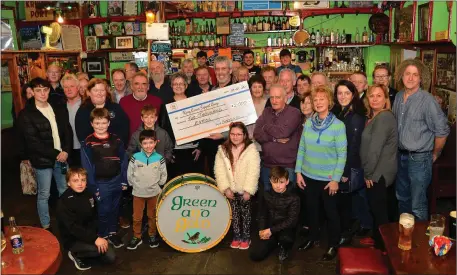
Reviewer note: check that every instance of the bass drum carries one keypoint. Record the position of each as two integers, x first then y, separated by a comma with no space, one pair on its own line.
192,214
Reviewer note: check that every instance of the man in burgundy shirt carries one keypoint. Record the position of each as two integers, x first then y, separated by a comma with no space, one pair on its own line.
133,103
278,130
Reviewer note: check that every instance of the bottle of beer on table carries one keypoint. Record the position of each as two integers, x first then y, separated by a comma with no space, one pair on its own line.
17,242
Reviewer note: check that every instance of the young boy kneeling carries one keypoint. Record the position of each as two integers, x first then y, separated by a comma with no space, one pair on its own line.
77,221
278,215
146,172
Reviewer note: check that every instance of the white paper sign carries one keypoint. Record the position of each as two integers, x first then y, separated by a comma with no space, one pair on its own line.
157,31
199,116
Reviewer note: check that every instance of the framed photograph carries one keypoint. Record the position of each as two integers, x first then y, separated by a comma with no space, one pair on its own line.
91,43
91,8
106,43
222,25
445,71
424,22
115,8
128,28
95,66
405,23
142,42
99,30
130,8
124,42
115,28
428,58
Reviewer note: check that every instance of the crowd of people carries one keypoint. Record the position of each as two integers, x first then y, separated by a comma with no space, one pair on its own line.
317,154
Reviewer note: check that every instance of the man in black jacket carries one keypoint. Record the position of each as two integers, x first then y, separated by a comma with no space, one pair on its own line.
278,215
77,220
46,139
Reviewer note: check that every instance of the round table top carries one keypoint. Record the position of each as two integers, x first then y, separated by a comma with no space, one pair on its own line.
41,253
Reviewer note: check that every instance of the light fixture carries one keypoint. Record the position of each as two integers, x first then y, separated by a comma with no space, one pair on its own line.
59,17
150,16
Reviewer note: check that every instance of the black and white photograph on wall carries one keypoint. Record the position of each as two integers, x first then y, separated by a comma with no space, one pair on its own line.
424,19
428,58
124,42
95,66
115,8
91,43
445,71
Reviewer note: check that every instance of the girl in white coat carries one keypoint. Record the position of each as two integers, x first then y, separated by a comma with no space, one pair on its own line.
237,170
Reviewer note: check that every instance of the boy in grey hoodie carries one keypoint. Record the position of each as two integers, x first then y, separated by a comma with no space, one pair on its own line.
164,146
145,173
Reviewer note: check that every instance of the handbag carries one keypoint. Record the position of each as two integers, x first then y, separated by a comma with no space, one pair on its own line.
28,180
355,182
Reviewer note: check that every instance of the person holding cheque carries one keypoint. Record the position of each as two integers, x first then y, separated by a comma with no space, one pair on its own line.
320,163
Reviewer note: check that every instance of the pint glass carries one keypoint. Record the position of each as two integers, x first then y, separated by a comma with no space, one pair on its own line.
406,228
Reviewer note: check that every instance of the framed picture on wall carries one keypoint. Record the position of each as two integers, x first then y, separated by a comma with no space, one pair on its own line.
428,58
405,23
222,25
115,8
91,43
130,8
445,71
95,66
424,21
124,42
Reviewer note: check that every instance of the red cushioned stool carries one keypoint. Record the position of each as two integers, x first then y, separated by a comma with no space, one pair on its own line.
361,261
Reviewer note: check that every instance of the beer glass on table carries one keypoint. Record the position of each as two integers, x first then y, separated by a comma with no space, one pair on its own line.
406,228
436,226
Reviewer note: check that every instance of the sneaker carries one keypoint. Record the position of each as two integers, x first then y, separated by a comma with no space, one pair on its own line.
134,243
115,240
79,264
153,242
124,223
235,244
245,244
283,254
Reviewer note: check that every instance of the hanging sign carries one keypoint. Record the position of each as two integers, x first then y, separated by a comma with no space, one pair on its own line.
32,13
294,21
249,5
122,56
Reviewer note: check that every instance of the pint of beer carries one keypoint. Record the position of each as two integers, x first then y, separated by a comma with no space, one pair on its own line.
406,228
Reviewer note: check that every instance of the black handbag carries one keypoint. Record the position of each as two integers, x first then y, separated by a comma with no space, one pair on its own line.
355,182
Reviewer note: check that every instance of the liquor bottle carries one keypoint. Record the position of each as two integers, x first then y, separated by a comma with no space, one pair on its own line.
264,24
178,42
15,236
273,25
372,40
279,41
211,42
318,38
257,59
206,27
206,42
327,37
287,24
259,25
201,43
365,35
278,24
362,66
269,41
343,37
291,40
184,43
273,40
211,27
269,24
313,37
332,37
357,36
283,25
254,25
191,42
218,41
337,36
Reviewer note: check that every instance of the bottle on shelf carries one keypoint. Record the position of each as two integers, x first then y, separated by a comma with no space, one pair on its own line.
265,59
291,40
317,40
343,37
183,43
257,59
191,42
274,41
17,243
201,43
278,24
287,24
206,41
279,41
362,65
273,25
268,24
313,37
365,35
332,37
211,27
259,25
264,24
218,41
206,27
327,37
337,36
357,36
178,42
254,25
269,41
212,42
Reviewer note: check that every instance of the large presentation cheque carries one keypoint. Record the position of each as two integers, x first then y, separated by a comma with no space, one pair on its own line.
199,116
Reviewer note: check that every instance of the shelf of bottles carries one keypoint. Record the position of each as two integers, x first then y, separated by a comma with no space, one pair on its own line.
339,61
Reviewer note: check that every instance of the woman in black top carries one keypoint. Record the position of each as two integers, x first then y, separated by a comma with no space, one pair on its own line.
349,110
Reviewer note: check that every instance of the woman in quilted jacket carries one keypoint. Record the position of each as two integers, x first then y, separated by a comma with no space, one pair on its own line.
237,170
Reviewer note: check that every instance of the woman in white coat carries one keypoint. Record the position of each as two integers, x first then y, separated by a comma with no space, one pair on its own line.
237,170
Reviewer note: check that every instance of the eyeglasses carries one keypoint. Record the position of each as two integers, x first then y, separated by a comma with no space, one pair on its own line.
381,76
236,135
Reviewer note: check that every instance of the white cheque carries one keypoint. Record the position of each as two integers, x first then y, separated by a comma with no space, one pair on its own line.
199,116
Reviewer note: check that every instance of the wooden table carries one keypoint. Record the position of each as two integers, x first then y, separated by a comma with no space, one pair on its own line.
41,253
421,259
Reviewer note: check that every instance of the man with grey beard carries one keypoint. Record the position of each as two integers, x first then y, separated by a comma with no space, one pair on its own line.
158,84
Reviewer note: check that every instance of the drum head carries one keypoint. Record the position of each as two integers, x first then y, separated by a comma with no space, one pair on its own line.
301,38
193,216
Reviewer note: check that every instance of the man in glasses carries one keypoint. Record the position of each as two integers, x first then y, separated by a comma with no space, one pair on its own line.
382,76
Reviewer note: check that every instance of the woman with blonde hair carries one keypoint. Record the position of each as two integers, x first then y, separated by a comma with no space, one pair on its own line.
378,154
99,96
320,164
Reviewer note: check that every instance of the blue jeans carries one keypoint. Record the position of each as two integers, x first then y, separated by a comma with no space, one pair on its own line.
265,177
361,208
110,193
44,178
413,177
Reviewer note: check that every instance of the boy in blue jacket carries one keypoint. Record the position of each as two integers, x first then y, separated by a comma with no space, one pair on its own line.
146,173
103,156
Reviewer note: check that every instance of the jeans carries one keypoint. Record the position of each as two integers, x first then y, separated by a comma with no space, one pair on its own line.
265,177
85,251
261,249
413,177
108,207
362,209
44,178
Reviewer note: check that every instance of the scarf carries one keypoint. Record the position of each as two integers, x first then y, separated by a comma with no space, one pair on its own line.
320,125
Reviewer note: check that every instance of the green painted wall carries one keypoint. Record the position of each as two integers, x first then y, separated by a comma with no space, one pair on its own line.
440,17
454,23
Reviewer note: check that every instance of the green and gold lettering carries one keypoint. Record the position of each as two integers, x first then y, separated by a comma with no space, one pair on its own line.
177,203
